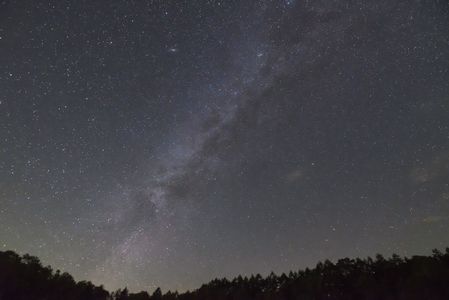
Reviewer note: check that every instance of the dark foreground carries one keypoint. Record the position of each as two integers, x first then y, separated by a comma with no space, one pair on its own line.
419,277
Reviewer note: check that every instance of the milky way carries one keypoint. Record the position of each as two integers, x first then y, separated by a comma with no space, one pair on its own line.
166,143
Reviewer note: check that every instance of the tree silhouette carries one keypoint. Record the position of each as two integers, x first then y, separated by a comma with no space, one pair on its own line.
418,277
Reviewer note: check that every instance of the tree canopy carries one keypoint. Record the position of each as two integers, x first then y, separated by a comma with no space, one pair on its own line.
418,277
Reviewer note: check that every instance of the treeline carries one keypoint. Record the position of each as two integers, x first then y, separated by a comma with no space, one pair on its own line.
419,277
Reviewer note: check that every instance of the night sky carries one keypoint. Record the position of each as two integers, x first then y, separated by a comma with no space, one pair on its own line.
166,143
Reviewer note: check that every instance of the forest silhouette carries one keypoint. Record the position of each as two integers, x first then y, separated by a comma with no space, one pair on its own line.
418,277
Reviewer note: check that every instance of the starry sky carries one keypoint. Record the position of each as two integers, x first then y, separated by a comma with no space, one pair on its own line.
166,143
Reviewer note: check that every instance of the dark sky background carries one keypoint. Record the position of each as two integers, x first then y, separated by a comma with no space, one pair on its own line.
166,143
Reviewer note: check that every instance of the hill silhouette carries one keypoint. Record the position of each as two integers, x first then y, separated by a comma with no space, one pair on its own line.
418,277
